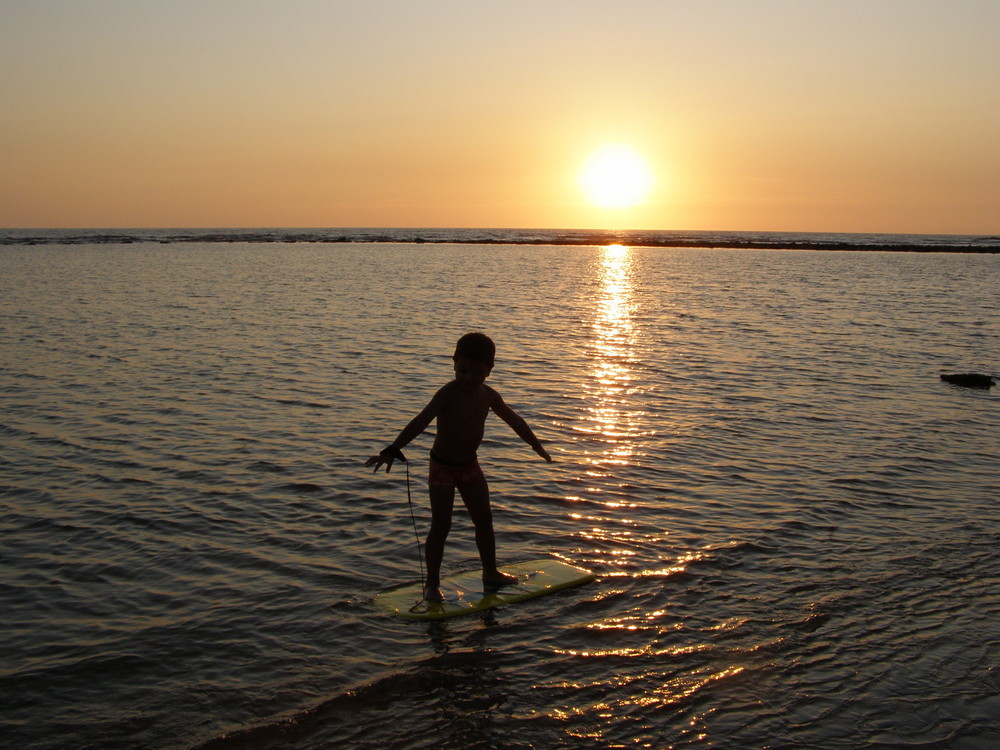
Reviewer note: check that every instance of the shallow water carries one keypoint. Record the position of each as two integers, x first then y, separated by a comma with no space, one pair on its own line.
793,520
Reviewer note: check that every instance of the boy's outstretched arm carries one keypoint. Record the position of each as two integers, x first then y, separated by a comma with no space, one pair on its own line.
417,425
518,425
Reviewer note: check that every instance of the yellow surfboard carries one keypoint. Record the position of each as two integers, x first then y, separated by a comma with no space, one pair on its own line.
463,592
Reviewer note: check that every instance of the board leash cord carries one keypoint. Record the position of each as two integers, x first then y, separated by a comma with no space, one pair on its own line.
413,518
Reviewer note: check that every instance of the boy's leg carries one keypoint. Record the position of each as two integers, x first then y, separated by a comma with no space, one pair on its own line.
476,496
442,501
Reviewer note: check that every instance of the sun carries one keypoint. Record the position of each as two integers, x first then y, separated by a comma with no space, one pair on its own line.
616,176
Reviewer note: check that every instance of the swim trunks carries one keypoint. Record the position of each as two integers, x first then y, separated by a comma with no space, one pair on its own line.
443,474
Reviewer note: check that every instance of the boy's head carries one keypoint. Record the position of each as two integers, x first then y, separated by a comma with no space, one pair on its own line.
476,347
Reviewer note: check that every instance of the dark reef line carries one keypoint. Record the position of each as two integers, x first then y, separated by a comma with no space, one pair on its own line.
631,239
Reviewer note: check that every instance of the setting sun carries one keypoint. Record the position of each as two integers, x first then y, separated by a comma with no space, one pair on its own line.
616,176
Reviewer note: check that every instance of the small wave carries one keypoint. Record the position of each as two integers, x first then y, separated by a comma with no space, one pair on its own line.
267,466
811,623
302,487
299,402
334,715
295,402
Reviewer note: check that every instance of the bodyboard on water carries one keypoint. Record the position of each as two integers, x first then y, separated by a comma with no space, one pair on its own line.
463,592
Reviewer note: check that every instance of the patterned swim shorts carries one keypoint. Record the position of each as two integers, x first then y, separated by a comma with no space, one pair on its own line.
441,474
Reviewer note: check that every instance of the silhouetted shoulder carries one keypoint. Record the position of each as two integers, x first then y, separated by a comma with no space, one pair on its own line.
447,390
492,395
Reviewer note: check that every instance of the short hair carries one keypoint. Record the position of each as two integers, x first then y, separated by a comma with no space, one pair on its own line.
476,346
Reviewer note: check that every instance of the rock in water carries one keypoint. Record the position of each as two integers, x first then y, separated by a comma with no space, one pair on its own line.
969,380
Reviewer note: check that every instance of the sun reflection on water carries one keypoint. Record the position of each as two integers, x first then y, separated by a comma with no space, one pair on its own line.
611,373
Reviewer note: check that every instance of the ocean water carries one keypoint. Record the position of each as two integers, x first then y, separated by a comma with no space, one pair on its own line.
794,522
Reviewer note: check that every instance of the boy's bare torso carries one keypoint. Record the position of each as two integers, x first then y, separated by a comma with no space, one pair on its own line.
461,421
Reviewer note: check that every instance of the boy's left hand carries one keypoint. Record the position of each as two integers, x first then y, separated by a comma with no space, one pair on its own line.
387,456
377,462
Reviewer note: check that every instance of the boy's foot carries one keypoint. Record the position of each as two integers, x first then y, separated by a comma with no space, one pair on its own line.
494,581
433,595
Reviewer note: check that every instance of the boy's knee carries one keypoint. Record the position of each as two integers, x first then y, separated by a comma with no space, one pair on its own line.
440,526
481,517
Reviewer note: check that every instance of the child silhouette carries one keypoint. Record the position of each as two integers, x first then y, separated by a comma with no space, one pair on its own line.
460,408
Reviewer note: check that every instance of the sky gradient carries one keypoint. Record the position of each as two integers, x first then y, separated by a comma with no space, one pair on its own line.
772,115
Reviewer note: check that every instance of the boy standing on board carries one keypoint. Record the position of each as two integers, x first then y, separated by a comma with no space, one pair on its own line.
461,408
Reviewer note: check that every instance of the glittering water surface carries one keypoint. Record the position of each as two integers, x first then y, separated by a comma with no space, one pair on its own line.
793,520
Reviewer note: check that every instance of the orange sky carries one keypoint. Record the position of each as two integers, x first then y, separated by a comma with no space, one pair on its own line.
793,115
